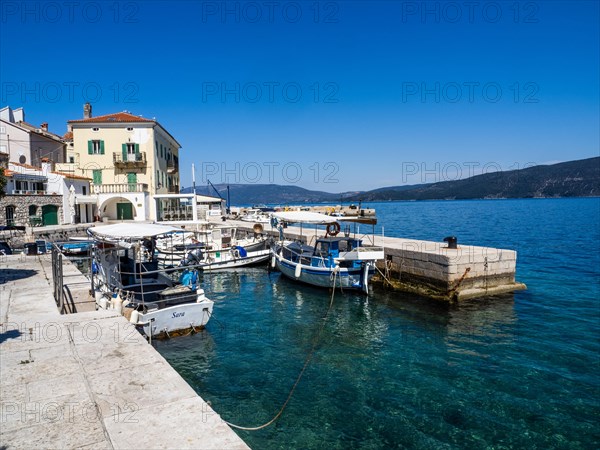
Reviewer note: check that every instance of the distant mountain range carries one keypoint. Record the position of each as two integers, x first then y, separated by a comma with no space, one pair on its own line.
569,179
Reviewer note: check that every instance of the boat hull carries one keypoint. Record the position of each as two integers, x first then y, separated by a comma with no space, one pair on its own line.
175,318
345,278
232,263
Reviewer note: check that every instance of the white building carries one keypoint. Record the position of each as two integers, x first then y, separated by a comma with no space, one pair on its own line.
70,194
25,143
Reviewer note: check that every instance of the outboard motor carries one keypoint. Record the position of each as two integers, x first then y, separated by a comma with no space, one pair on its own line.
192,257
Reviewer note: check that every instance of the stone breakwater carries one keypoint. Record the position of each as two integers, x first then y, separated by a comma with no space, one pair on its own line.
431,269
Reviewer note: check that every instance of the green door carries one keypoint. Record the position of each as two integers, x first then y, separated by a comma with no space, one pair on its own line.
50,215
132,181
124,211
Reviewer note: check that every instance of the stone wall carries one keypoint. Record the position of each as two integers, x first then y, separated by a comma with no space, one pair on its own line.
432,269
22,204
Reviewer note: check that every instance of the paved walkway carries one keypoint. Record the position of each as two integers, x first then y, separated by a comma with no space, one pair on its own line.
88,380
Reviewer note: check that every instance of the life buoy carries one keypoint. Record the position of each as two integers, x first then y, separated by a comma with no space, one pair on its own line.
235,253
333,229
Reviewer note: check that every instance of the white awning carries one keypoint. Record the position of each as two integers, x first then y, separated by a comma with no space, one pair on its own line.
131,230
85,199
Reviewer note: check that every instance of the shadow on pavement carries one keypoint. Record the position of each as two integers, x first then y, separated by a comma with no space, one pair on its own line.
7,275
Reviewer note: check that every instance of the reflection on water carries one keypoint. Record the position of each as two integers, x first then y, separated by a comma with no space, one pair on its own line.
397,371
390,370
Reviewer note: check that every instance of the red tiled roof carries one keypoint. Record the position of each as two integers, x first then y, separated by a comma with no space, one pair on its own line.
8,172
27,166
113,118
68,136
74,177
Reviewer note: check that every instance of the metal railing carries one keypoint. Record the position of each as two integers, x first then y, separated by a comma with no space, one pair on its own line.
130,158
172,167
27,192
57,278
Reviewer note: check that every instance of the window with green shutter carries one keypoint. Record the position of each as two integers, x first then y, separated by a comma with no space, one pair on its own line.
97,176
124,151
96,147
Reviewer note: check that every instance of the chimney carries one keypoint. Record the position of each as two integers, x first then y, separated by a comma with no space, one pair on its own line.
44,126
47,166
87,111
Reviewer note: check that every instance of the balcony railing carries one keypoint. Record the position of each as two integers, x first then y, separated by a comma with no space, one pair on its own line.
130,159
27,192
119,188
172,167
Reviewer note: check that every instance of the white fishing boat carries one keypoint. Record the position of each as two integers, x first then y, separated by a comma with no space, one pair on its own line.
213,248
234,257
333,261
256,215
125,277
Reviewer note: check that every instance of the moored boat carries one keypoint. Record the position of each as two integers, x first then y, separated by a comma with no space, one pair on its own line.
126,277
332,262
217,248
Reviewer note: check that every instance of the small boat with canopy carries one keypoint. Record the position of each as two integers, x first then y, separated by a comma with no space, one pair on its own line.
126,277
333,261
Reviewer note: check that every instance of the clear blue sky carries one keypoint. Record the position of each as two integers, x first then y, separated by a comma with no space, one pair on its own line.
391,93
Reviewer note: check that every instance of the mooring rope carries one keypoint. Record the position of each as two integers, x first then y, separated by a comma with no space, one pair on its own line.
384,277
306,362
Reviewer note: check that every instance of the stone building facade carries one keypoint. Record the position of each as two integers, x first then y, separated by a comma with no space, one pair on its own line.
28,209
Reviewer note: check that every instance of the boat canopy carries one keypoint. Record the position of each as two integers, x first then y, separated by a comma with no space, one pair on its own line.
305,217
131,230
320,219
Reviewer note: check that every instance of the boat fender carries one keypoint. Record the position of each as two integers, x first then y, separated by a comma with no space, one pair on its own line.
117,303
333,229
135,316
100,300
201,296
273,262
298,271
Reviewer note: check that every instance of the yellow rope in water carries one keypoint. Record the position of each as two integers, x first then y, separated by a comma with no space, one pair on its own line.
306,362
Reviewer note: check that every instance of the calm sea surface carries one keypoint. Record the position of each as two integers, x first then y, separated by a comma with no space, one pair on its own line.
395,371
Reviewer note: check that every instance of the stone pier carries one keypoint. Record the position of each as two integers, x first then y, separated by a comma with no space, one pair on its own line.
88,380
427,268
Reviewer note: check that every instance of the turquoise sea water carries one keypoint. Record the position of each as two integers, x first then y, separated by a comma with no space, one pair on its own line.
397,371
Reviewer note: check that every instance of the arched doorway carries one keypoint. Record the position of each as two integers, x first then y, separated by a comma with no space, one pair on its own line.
50,215
118,208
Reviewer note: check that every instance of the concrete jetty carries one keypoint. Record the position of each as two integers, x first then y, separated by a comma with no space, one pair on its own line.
88,380
430,269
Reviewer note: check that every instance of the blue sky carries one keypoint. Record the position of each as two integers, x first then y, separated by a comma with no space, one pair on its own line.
332,96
